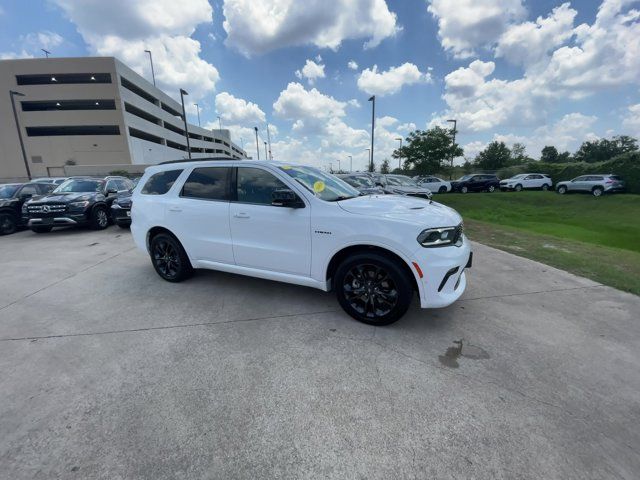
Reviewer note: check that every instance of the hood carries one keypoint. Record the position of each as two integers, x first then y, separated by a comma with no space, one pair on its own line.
419,211
65,197
407,190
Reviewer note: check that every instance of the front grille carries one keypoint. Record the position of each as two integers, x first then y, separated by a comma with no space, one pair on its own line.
47,208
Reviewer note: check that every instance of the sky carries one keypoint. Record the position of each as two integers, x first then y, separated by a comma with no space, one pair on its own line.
535,72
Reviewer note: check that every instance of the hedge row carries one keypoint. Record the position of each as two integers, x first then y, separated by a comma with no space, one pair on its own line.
626,166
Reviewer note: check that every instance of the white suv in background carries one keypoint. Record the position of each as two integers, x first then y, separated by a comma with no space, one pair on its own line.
527,181
297,224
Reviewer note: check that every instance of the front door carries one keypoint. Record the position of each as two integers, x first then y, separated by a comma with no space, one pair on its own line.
264,236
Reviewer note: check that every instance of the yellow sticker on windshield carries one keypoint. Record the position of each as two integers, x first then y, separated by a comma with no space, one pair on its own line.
318,186
286,167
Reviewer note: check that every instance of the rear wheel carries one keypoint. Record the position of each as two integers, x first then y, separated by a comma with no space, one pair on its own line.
562,189
545,187
373,289
99,218
169,258
518,188
492,188
37,229
597,191
442,189
8,224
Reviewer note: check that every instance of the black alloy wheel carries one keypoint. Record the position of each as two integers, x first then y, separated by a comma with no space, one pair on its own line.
169,258
8,224
373,289
442,189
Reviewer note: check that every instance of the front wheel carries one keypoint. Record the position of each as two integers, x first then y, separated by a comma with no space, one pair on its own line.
597,191
169,258
99,218
8,224
464,189
373,289
562,189
492,189
545,187
518,188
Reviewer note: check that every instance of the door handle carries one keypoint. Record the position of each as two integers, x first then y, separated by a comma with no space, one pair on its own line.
175,209
240,215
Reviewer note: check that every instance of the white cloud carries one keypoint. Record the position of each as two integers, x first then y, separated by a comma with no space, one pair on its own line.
352,65
238,111
406,127
258,27
354,103
392,80
15,55
125,29
631,121
464,26
386,121
45,39
311,71
297,103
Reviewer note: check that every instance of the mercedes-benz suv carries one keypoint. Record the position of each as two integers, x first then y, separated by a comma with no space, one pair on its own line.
298,224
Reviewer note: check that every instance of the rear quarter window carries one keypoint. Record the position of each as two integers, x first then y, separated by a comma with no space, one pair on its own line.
161,182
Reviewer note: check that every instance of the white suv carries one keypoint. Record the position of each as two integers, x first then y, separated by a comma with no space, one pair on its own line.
297,224
526,181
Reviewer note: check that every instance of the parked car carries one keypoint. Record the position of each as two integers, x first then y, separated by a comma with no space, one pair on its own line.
363,183
401,185
434,184
594,184
121,209
526,181
51,180
477,182
298,224
78,201
12,197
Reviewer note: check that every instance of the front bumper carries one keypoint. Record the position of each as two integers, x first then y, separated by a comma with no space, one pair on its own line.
56,219
121,215
443,273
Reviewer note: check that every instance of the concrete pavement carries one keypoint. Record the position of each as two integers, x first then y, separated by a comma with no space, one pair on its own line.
106,371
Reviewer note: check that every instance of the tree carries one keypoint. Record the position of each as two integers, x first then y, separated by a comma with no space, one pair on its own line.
519,154
426,150
605,149
384,168
496,156
549,154
564,157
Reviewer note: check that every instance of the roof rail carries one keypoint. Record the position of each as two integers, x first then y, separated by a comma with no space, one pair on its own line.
187,160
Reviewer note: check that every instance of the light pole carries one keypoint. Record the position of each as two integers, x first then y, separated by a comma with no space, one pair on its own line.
184,117
368,150
219,122
373,126
339,167
350,163
153,73
198,110
46,52
15,116
266,157
455,125
257,147
270,157
399,158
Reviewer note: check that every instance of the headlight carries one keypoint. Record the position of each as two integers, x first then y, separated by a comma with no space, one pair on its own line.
82,204
25,208
441,237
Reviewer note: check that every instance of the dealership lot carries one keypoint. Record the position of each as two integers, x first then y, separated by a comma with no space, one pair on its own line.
109,372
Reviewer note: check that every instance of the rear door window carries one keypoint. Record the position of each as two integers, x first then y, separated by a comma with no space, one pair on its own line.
208,183
161,182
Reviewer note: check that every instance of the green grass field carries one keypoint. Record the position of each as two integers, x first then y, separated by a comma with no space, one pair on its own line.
598,238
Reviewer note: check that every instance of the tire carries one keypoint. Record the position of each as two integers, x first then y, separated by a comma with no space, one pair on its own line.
8,224
562,189
518,188
41,229
373,289
169,258
99,218
464,189
442,189
492,188
545,187
597,191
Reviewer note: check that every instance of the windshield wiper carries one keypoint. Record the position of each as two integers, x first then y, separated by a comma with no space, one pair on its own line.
342,197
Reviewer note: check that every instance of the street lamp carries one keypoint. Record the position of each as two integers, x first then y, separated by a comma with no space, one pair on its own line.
184,117
373,126
266,157
153,74
368,150
350,163
15,116
399,158
198,110
339,167
46,52
257,147
219,122
455,125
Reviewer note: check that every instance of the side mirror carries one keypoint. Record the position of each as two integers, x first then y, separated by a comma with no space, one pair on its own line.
112,191
283,197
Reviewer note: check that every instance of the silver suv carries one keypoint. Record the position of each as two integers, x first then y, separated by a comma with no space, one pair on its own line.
594,184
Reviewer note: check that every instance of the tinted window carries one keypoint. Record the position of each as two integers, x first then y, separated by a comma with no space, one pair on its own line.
29,190
7,191
256,185
596,179
161,182
211,183
45,187
80,186
615,177
579,179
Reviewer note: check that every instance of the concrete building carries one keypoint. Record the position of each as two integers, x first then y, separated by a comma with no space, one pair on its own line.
92,115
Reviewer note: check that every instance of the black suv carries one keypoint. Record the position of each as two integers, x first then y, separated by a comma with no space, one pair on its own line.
12,197
78,201
477,182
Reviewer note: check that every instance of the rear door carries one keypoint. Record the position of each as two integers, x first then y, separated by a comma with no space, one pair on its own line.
533,181
264,236
199,214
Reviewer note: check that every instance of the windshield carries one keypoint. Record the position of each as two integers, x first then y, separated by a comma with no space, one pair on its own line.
464,177
80,186
522,175
359,182
322,185
399,180
7,191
